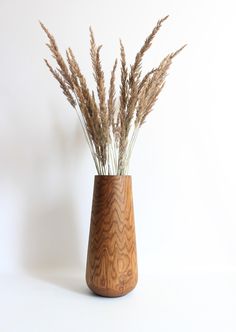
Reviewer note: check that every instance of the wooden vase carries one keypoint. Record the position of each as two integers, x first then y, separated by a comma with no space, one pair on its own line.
112,260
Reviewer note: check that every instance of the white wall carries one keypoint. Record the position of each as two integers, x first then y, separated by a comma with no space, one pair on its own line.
184,163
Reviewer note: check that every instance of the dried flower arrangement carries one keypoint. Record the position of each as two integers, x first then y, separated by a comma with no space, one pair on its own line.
111,126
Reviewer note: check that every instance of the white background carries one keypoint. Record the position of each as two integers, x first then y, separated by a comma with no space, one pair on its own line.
183,170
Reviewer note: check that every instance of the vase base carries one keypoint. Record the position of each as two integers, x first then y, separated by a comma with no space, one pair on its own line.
108,292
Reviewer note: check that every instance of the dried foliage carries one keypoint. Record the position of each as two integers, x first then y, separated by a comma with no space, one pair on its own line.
111,128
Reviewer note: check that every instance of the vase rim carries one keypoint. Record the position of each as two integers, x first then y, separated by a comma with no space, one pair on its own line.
114,176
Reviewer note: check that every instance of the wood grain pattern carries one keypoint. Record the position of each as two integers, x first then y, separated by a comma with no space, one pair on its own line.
112,260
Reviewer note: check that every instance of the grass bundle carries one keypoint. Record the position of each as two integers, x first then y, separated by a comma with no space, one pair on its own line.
111,121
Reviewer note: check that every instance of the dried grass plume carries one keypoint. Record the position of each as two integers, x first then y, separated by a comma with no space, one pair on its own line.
111,121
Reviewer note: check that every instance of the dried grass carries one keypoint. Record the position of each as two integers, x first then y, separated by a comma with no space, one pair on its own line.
111,129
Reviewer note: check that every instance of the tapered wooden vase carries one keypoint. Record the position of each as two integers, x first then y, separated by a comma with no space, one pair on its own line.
112,260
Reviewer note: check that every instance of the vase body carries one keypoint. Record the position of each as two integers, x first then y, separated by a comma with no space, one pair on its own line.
111,259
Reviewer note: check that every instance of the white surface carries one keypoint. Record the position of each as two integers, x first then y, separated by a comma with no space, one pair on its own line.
191,302
183,167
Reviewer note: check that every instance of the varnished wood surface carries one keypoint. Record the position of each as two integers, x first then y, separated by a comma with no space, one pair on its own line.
112,260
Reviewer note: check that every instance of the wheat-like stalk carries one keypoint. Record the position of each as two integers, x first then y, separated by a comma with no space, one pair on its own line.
111,124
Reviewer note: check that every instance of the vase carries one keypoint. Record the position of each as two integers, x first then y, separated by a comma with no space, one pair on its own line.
111,258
